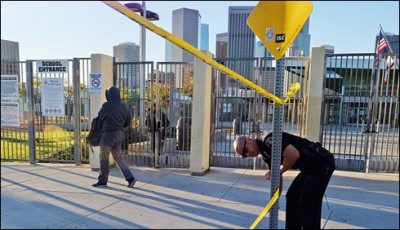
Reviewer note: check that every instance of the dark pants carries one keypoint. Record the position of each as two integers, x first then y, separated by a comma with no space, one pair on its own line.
158,137
111,142
305,194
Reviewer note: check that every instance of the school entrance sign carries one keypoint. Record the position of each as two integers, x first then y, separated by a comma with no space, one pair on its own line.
277,23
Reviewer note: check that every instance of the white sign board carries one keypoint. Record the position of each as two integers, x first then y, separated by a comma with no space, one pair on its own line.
9,101
53,97
96,82
52,66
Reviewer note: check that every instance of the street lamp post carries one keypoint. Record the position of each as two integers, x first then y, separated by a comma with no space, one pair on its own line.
151,16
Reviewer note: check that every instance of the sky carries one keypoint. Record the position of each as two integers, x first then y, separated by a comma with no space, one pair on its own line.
77,29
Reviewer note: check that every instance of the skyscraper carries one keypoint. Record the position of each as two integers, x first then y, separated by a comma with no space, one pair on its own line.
221,46
261,50
168,51
204,37
185,25
241,41
301,45
128,52
221,51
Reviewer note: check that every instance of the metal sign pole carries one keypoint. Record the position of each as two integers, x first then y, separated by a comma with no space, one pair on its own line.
276,142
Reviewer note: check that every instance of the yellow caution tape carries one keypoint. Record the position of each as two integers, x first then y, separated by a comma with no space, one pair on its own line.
292,91
266,209
189,48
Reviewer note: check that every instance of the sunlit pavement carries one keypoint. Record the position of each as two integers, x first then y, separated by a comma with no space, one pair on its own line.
61,196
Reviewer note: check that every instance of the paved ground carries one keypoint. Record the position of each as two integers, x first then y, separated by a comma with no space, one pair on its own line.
61,196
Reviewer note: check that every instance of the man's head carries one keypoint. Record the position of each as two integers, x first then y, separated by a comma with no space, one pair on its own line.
112,93
245,146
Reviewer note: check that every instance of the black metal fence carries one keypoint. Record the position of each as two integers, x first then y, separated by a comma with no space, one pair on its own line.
47,138
360,122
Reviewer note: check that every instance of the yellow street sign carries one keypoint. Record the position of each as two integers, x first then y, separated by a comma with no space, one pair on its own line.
277,23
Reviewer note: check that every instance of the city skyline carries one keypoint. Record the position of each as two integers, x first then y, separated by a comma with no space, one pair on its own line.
64,30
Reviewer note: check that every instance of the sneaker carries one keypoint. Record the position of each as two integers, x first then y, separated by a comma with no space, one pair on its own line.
131,182
98,184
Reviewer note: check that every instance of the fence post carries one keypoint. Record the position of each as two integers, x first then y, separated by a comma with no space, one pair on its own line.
103,64
31,112
316,85
201,118
77,110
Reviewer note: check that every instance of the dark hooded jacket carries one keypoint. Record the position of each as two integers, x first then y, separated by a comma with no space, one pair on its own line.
114,112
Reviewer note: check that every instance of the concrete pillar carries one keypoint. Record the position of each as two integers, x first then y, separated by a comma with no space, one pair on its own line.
103,64
201,118
316,86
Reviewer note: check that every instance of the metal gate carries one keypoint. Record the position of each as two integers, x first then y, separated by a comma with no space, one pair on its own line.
41,138
361,117
240,110
360,122
170,87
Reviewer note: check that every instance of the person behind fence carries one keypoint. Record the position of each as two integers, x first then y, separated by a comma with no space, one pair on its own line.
305,194
116,117
157,128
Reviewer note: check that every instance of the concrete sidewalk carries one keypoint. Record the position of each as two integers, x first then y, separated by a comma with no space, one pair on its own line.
61,196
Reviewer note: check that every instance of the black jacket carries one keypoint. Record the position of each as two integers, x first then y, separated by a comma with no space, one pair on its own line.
114,113
311,154
156,125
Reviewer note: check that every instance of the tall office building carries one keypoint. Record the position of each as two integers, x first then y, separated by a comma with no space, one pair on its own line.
168,51
221,51
204,37
185,25
301,45
241,38
241,41
9,57
261,50
221,46
128,52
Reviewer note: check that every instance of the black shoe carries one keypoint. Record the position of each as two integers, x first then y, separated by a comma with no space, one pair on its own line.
98,184
131,182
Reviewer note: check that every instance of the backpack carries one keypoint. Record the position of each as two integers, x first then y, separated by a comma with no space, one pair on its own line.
94,136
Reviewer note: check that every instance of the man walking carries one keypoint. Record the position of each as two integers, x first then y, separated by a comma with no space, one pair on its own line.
115,116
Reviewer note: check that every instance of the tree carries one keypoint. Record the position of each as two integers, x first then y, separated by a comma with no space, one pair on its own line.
163,94
187,88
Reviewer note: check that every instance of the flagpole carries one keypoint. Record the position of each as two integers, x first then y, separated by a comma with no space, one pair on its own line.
384,37
368,120
374,118
372,107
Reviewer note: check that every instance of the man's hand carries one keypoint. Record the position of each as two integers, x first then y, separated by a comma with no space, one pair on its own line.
268,175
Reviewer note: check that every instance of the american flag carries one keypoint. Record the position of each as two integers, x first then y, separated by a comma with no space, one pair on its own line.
379,47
